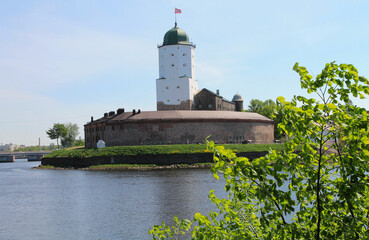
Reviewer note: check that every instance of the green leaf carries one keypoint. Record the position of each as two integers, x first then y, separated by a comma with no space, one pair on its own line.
281,99
331,106
365,140
321,106
366,152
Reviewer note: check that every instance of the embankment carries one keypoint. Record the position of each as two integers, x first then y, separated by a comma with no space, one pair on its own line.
140,159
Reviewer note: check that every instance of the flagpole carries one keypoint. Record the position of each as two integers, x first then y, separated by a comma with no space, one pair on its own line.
175,18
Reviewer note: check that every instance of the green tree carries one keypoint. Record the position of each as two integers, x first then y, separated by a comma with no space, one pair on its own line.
51,147
72,133
323,170
79,142
57,131
269,109
255,105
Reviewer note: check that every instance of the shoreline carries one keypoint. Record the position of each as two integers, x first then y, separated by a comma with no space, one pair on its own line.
140,161
147,156
129,167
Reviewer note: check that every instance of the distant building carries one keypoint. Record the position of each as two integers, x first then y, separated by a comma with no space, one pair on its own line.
8,147
184,113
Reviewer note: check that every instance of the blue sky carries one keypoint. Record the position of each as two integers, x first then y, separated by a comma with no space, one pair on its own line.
65,61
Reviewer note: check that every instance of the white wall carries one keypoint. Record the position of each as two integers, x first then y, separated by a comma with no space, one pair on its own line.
177,80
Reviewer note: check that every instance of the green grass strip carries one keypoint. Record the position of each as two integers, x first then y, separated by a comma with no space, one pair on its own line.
157,150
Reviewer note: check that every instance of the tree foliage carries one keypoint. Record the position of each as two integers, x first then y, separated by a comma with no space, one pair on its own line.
320,192
269,109
67,133
57,131
36,148
255,105
69,139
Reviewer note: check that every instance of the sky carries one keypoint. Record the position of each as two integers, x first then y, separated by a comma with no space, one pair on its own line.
63,61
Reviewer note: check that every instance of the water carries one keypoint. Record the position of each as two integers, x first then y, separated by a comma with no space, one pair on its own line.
76,204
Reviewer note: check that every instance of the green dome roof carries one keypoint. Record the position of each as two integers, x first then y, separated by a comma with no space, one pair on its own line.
175,36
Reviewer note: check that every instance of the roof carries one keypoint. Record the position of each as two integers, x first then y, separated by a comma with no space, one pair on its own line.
213,93
186,115
237,98
175,36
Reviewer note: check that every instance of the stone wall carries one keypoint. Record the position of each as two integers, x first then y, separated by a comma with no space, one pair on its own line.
181,132
184,105
167,159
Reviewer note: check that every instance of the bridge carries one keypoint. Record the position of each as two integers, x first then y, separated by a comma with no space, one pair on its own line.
31,156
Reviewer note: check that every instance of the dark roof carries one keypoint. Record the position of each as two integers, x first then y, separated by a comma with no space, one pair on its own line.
194,115
175,36
205,89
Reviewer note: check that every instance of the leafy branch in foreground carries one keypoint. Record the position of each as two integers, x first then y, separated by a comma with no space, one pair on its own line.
318,192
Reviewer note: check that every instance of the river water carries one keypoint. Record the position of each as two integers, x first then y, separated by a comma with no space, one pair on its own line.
77,204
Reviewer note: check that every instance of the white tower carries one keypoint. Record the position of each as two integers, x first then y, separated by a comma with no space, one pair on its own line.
176,85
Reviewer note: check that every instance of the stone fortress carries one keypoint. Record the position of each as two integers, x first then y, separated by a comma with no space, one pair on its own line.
184,113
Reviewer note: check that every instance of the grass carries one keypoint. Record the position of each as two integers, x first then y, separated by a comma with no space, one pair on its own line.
156,150
46,167
118,166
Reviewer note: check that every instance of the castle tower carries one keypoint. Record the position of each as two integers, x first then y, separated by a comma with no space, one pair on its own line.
237,99
177,84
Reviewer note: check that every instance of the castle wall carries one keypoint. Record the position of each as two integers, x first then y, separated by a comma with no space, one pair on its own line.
181,132
184,105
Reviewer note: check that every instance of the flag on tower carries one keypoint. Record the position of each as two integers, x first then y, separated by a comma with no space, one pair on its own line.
177,11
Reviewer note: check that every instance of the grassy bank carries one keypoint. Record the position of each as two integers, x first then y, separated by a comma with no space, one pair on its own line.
123,167
156,150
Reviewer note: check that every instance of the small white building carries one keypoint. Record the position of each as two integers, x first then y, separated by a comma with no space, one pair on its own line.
177,84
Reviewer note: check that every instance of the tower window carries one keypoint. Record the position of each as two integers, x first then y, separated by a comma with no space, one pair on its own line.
178,100
172,54
184,65
167,100
184,54
167,87
177,86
